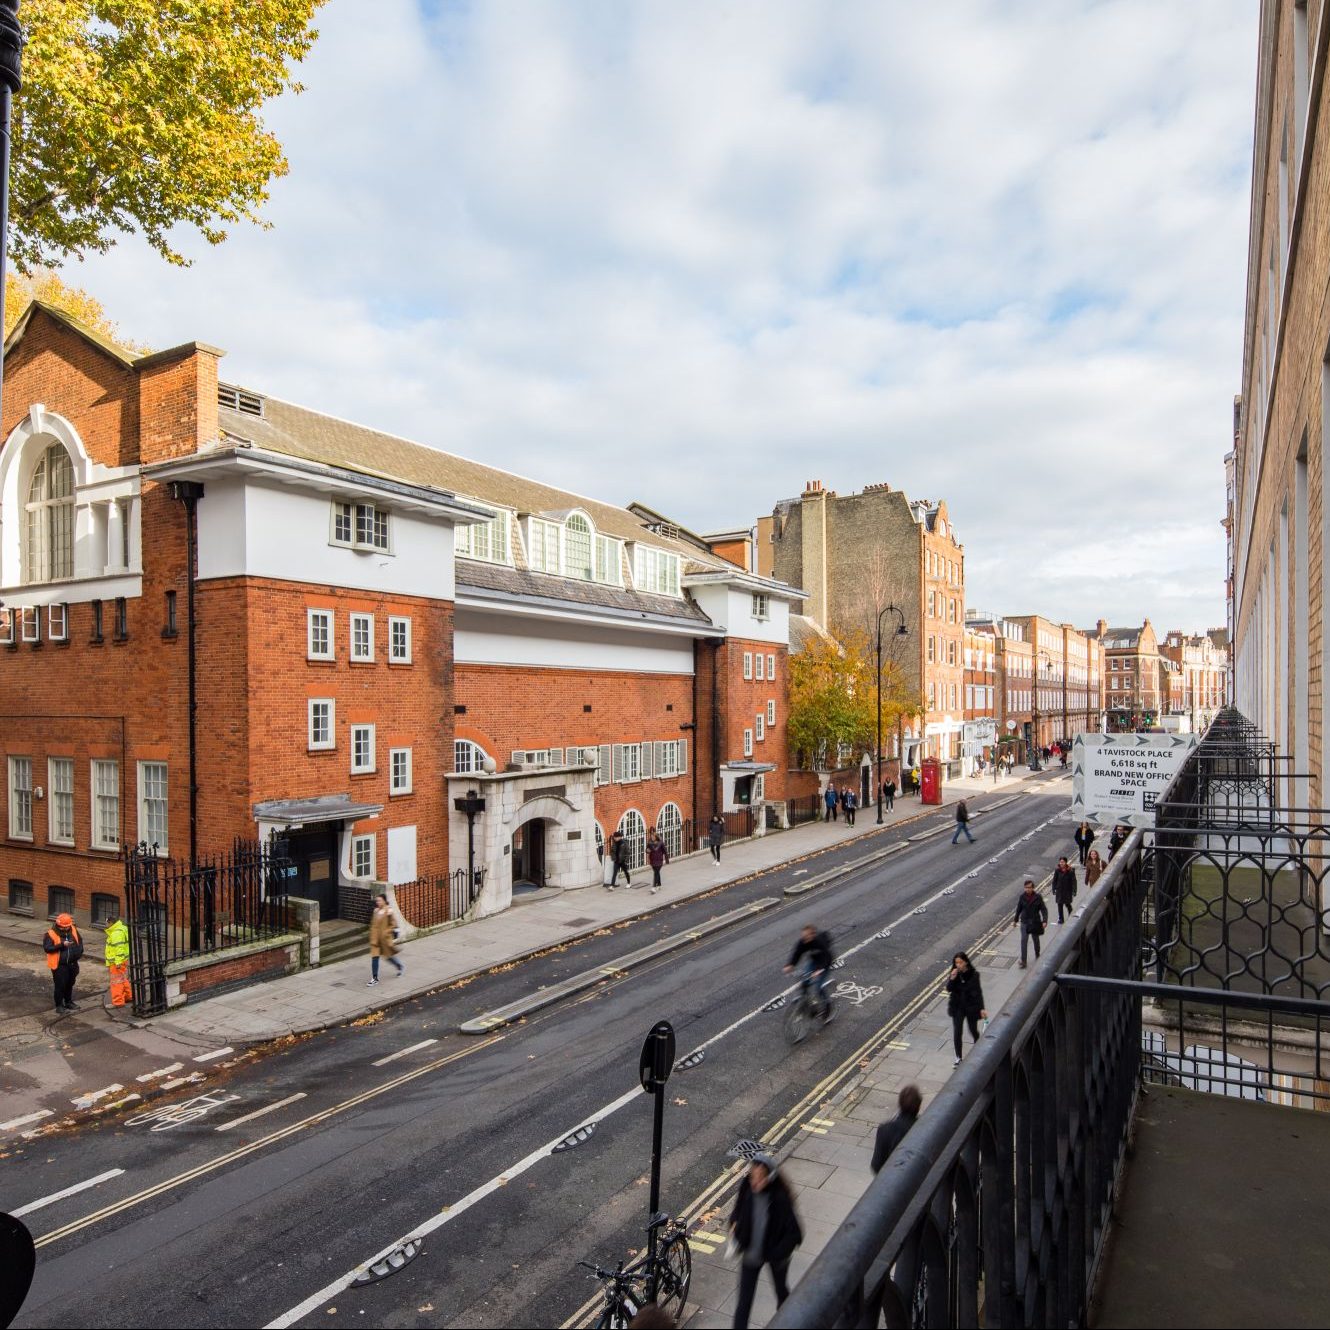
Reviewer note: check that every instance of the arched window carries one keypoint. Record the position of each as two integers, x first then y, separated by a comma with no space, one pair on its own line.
635,835
577,547
670,826
467,756
48,554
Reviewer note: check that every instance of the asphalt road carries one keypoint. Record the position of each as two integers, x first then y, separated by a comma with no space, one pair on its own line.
253,1204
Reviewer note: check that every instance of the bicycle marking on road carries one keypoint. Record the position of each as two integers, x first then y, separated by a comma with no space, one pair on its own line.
170,1116
856,994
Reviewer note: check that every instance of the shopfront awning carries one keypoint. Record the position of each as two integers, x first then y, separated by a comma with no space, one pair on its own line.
321,808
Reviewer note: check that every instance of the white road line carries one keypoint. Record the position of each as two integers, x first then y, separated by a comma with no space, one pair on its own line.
68,1191
402,1052
259,1112
182,1080
26,1118
87,1100
216,1053
450,1212
161,1071
447,1214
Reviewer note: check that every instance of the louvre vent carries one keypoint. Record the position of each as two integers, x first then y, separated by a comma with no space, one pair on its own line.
247,403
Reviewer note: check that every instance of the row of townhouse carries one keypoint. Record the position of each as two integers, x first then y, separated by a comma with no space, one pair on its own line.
227,617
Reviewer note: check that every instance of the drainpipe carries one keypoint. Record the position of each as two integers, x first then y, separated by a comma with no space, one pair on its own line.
189,492
715,726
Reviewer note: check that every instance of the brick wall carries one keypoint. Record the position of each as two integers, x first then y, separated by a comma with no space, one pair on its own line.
235,972
743,699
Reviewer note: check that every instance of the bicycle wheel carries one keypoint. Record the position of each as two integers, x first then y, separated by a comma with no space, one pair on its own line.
829,1009
673,1276
796,1021
616,1315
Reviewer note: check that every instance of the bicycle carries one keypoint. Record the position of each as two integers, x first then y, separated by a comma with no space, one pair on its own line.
811,1005
626,1288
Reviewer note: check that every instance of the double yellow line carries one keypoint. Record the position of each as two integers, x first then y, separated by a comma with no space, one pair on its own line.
190,1175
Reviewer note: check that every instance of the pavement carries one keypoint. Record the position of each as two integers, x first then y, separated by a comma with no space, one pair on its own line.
827,1163
57,1068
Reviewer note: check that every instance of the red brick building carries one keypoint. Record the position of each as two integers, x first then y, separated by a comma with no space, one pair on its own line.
375,627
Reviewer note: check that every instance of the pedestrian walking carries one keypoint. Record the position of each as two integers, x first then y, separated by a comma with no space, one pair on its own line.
1116,840
117,962
657,856
1084,838
1064,887
962,823
64,949
851,806
1032,915
889,793
965,1001
619,860
766,1231
382,938
845,803
890,1134
832,801
1094,867
716,835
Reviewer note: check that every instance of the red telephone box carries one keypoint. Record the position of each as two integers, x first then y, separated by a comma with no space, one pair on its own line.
930,781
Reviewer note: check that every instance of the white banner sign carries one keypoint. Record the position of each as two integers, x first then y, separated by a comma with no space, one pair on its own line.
981,732
1119,777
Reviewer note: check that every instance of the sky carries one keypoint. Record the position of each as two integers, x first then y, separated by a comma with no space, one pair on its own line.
699,254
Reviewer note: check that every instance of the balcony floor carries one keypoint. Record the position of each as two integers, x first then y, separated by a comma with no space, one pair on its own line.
1223,1218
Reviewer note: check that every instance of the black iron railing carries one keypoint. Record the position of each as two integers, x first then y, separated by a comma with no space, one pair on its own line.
806,808
175,912
429,901
739,824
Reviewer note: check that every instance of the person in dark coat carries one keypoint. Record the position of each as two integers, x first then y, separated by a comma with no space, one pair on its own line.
1084,838
1064,887
850,803
1115,841
657,856
1032,916
832,801
965,1001
64,950
716,835
891,1134
962,823
889,793
619,859
766,1230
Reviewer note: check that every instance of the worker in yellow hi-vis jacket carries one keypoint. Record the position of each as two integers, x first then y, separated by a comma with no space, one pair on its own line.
117,962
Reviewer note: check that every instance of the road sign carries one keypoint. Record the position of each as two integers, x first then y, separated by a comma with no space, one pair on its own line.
657,1057
1011,725
1119,777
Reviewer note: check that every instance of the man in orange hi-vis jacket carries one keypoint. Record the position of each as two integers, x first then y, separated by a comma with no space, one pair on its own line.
63,947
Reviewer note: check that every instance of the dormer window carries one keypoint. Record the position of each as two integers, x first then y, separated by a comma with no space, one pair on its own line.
484,540
542,545
361,526
578,541
656,570
48,553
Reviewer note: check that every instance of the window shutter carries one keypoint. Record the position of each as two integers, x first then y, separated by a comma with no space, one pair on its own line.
519,757
618,762
556,757
659,759
646,759
683,756
603,774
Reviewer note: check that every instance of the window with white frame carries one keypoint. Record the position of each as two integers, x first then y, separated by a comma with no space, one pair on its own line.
48,549
399,639
362,526
634,830
748,743
362,858
468,757
399,771
669,826
362,749
771,667
542,545
578,556
105,804
322,723
609,560
488,541
671,758
152,804
761,605
320,635
344,523
60,809
362,637
748,664
20,798
57,623
627,763
760,727
30,623
656,570
771,711
7,626
760,787
760,667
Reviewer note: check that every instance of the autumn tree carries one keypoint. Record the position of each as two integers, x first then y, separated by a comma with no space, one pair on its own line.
42,284
144,116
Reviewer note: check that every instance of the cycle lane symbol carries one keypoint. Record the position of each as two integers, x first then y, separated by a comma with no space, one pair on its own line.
856,994
176,1115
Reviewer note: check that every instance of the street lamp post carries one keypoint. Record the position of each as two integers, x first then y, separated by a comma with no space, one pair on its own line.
471,805
901,631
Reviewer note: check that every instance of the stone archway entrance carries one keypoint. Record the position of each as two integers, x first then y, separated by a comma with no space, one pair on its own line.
528,855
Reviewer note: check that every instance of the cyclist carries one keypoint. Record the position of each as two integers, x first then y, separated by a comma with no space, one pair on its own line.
814,949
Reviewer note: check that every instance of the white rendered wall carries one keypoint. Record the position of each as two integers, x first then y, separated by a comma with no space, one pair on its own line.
732,610
488,637
252,530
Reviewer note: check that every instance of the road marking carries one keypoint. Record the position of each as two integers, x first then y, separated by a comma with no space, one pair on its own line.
191,1175
68,1191
161,1071
402,1052
817,1131
87,1100
121,1102
178,1081
260,1112
823,1122
26,1118
447,1214
170,1116
216,1053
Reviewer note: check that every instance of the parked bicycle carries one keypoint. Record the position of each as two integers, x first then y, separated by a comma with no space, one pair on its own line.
627,1289
811,1007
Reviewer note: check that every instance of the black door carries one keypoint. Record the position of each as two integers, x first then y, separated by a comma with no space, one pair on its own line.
529,854
313,855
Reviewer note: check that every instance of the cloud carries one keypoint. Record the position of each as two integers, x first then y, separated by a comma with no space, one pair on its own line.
699,254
